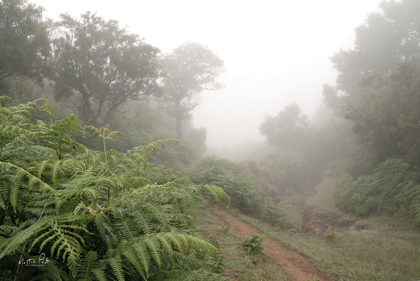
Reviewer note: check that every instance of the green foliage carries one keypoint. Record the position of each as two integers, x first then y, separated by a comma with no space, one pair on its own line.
232,178
96,215
253,244
393,187
383,168
24,42
116,66
382,41
140,123
287,129
285,170
272,213
188,70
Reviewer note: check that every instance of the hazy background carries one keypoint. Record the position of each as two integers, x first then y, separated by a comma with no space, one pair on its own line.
276,52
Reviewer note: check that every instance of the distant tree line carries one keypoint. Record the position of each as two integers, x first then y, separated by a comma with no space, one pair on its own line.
99,65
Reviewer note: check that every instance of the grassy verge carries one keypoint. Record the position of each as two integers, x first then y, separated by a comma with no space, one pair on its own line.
383,251
238,264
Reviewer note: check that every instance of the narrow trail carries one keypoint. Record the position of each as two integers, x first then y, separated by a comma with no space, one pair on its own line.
293,265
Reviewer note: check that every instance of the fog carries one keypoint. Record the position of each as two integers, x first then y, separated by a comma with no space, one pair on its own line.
275,52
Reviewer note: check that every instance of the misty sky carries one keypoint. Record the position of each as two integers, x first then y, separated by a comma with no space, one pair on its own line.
276,52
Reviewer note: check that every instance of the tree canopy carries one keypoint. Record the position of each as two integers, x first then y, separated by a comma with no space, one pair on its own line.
24,41
104,64
386,38
188,70
287,129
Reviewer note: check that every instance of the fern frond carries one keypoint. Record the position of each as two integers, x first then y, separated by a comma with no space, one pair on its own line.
87,267
131,256
142,221
21,237
15,188
99,274
68,242
21,173
140,251
9,131
218,193
154,249
115,263
157,212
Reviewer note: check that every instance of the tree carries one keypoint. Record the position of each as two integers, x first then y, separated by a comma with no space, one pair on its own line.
385,39
188,70
387,121
24,41
102,63
288,129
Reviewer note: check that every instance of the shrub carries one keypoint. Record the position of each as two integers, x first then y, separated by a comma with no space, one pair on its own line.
272,213
232,178
393,186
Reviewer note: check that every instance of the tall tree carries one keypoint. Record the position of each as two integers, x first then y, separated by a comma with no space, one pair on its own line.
24,42
387,121
102,63
188,70
386,38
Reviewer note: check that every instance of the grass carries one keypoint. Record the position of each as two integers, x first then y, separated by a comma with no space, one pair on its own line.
387,250
373,254
324,195
238,263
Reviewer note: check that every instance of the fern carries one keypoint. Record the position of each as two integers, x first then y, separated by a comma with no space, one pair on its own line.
90,268
100,215
115,262
18,181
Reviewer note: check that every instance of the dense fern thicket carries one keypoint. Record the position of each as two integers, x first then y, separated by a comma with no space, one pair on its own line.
71,213
392,188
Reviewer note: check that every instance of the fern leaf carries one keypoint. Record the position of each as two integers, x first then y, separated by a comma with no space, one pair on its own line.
99,274
115,263
141,254
55,172
86,267
166,243
131,257
23,236
142,221
157,211
15,188
218,193
41,167
153,246
174,241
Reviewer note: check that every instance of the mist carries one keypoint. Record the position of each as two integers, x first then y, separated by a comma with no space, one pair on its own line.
209,140
275,52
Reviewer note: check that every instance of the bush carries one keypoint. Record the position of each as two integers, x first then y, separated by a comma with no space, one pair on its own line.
393,186
272,213
232,178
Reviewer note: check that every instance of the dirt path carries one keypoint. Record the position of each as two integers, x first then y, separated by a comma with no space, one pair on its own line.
294,266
